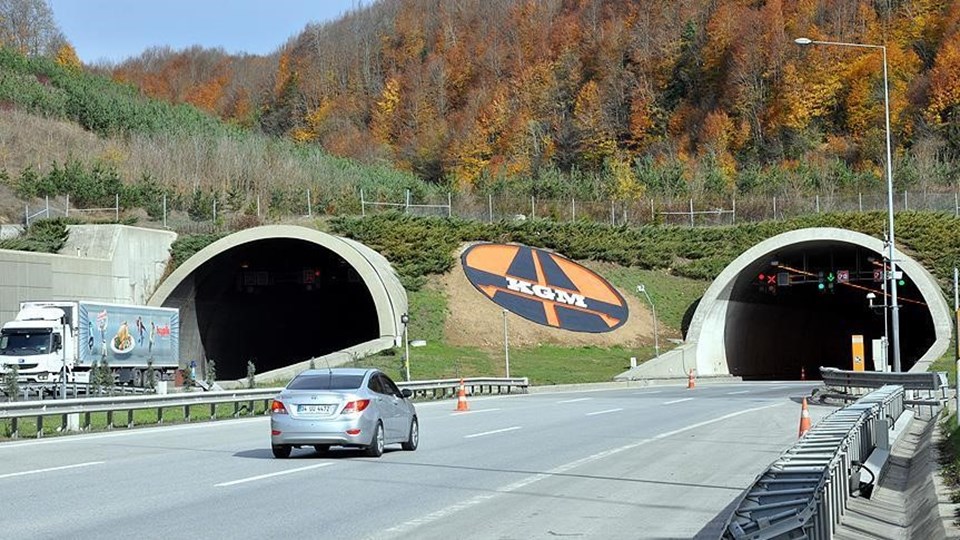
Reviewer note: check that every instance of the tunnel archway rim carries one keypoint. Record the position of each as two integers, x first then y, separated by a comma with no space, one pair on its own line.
389,296
707,327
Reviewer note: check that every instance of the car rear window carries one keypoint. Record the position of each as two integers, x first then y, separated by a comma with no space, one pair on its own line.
326,382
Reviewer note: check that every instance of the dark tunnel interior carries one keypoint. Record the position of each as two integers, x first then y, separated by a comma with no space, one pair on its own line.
801,307
277,302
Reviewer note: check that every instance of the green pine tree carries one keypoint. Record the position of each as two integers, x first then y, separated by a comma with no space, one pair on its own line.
251,371
11,384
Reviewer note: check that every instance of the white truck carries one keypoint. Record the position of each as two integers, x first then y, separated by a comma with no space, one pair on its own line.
45,337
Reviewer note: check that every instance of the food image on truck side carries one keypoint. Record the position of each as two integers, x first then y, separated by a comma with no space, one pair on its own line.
128,335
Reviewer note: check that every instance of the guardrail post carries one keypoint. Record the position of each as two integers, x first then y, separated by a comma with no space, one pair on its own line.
109,419
236,409
213,411
86,422
159,415
14,428
130,418
186,413
39,426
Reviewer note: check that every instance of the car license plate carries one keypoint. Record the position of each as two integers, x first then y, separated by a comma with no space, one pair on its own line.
315,409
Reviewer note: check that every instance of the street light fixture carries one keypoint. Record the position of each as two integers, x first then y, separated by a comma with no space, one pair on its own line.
405,319
894,305
656,335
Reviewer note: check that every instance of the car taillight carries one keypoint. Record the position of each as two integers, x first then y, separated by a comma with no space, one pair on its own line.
353,432
277,407
355,406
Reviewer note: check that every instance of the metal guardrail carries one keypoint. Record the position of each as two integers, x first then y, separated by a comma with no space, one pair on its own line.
84,407
804,493
929,380
439,388
926,391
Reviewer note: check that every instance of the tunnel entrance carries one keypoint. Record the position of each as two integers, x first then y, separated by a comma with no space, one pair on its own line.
800,307
277,302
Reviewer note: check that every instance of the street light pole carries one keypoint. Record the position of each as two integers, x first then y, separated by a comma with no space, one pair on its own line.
892,277
506,343
405,319
656,334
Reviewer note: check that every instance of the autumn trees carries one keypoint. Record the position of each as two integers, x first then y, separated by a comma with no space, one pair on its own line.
665,96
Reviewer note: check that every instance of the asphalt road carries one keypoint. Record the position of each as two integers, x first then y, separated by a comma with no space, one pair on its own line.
659,462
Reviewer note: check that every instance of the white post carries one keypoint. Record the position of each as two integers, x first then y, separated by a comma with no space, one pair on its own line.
573,208
214,209
47,197
66,209
164,210
489,208
818,203
691,213
26,215
309,205
117,206
774,207
258,206
905,207
860,198
613,213
734,210
533,206
652,216
506,343
956,205
363,210
406,209
449,204
406,353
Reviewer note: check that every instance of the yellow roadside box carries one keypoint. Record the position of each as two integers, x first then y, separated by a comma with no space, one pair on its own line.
857,341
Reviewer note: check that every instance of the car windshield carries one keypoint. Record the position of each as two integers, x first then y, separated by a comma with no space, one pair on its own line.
326,381
24,343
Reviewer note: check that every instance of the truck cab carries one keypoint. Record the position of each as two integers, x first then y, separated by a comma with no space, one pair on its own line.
37,342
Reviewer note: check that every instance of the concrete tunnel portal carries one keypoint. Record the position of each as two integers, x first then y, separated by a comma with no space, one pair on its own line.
280,295
794,302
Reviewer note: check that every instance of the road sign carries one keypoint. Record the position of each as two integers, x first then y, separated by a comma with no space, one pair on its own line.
843,276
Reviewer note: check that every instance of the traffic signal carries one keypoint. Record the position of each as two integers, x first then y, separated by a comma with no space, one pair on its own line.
820,284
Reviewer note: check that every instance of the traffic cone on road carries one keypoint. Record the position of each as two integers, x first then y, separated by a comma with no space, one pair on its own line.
691,382
462,398
804,418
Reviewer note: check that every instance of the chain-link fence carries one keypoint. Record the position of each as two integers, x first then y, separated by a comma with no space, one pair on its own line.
702,212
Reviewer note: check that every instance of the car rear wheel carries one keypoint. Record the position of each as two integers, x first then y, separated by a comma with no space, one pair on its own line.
376,445
281,451
414,439
321,448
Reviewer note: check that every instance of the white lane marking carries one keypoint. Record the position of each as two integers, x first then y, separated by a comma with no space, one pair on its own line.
603,412
647,393
575,400
740,392
132,432
271,475
474,411
449,510
677,401
51,469
504,430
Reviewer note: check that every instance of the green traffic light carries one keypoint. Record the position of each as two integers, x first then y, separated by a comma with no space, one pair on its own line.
901,282
820,286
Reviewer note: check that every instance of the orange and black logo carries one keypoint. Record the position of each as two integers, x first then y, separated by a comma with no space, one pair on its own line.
544,287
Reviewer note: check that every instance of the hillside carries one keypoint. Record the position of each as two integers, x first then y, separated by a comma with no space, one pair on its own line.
598,98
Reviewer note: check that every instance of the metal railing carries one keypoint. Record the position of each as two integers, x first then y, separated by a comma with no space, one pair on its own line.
926,391
804,493
244,402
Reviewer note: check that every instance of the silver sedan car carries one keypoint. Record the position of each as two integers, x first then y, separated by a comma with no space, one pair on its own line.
360,408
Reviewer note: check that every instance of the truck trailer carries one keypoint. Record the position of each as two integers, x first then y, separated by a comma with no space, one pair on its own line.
47,337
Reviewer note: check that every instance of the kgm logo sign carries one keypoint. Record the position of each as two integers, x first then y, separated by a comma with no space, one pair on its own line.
544,287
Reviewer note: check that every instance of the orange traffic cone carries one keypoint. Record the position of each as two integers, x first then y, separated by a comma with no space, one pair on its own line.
804,418
462,398
691,382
